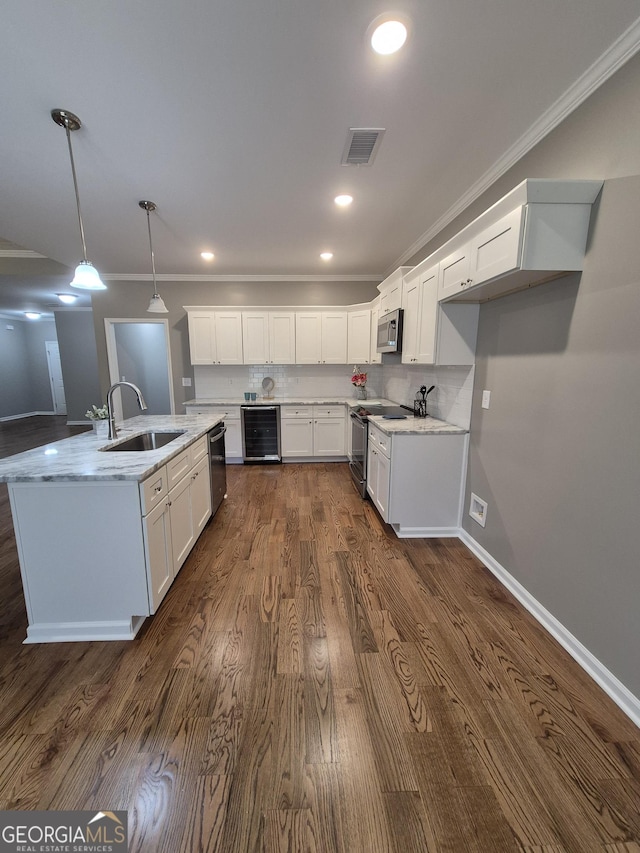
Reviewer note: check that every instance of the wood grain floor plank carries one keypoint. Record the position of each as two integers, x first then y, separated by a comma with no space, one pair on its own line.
207,815
305,663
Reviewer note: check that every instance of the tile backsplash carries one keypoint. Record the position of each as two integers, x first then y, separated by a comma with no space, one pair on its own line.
307,380
450,400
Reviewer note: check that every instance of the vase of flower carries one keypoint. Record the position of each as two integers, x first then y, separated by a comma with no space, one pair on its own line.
359,380
101,428
100,418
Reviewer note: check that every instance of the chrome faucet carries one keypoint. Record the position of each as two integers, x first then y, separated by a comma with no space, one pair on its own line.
113,430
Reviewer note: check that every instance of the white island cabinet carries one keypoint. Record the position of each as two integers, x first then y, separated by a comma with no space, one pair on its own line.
102,535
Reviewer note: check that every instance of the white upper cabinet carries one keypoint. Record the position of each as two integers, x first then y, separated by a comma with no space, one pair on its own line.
268,337
375,357
436,333
420,303
359,337
308,338
321,337
391,291
535,233
334,337
282,337
215,337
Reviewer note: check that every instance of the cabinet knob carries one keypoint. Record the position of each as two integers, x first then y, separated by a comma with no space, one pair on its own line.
469,281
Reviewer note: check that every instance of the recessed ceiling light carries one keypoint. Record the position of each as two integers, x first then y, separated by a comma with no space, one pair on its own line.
207,256
343,200
32,315
67,298
326,256
388,37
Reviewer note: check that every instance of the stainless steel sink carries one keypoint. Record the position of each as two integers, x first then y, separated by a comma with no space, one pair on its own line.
146,441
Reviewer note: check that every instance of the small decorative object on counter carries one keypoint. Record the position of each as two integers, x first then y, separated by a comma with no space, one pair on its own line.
100,418
360,381
420,401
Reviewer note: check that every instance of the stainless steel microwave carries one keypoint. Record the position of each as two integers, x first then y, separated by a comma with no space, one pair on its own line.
390,332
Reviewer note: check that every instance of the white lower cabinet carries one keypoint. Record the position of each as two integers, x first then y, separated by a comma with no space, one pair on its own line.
312,431
156,527
378,472
416,481
233,435
329,431
178,517
296,431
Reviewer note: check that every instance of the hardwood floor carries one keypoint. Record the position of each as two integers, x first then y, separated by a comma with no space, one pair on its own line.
312,683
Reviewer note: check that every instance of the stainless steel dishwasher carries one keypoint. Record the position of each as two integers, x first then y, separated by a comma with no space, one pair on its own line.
261,433
217,466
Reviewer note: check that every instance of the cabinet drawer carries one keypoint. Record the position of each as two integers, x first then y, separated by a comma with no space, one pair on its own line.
380,440
178,467
293,412
153,490
198,450
328,412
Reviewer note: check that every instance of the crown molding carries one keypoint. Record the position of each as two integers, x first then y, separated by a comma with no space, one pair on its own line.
167,277
620,52
20,253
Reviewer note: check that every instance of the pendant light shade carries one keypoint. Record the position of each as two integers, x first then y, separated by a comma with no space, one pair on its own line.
86,276
156,305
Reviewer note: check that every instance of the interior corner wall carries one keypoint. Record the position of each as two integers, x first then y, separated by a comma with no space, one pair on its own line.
130,299
79,361
557,454
37,334
15,396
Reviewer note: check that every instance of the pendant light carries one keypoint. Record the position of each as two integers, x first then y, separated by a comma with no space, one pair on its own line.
156,306
86,276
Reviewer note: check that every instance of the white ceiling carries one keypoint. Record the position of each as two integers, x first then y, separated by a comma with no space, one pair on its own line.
232,118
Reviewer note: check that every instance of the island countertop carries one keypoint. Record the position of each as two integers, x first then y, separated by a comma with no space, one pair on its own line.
82,457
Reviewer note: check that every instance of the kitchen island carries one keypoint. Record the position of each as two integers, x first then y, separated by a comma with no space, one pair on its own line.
101,534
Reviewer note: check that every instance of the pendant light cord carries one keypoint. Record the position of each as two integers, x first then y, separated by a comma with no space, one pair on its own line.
75,184
153,261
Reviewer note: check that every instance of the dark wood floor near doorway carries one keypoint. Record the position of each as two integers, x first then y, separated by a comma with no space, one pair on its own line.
312,683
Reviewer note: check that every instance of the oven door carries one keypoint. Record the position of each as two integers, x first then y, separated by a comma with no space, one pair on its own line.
358,462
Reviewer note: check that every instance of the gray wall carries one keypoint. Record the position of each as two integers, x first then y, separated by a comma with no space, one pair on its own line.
78,357
131,299
142,359
24,374
557,456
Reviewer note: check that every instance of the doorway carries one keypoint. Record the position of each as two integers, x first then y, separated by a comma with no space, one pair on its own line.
55,377
138,352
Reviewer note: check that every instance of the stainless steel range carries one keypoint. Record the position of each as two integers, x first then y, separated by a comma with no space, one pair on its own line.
358,460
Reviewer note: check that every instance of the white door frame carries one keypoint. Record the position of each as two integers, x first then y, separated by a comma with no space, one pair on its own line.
58,409
112,357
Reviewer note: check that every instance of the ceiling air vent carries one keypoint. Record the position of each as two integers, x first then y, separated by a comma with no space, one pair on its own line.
362,146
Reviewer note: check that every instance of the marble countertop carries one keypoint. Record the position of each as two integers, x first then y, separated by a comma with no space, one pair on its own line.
416,426
82,457
287,401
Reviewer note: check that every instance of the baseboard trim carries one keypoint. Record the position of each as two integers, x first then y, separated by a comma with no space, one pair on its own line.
24,415
83,632
425,532
611,685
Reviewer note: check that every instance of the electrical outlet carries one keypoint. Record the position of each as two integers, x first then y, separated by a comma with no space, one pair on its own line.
478,510
186,382
486,399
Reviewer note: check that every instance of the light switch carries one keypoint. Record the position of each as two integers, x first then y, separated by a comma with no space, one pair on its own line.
186,382
486,399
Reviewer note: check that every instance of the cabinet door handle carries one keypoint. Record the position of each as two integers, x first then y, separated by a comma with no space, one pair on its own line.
469,281
158,488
